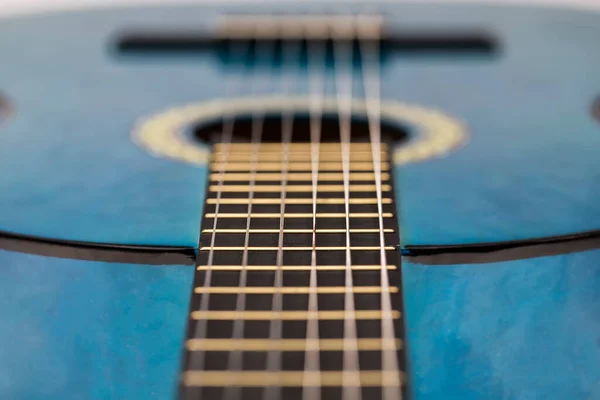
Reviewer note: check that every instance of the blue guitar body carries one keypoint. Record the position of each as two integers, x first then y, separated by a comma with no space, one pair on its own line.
499,234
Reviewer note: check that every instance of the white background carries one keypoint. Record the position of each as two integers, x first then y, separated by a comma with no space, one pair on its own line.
8,7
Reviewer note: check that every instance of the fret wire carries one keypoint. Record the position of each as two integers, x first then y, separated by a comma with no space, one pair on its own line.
305,151
267,147
298,215
298,201
299,176
294,248
364,344
292,290
299,147
292,315
290,230
364,378
299,166
294,157
333,152
298,188
294,267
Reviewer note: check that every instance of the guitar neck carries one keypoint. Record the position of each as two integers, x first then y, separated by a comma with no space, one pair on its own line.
295,294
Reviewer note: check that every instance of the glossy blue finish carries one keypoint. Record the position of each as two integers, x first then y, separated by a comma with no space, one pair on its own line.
530,169
89,330
69,167
517,330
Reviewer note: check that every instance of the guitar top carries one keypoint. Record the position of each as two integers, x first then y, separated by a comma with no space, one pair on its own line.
300,202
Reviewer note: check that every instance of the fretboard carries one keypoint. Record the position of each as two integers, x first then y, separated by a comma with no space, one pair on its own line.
281,309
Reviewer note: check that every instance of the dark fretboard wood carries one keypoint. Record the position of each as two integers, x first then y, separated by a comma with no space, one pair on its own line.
213,352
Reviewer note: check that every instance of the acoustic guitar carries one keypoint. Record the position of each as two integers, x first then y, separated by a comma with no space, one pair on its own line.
300,201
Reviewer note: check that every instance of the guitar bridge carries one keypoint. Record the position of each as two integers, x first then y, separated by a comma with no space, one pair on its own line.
281,30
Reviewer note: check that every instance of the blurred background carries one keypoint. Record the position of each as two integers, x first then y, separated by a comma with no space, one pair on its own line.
19,6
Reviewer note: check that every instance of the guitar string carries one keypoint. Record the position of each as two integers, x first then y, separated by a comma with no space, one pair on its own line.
315,51
343,58
232,86
262,51
289,55
370,64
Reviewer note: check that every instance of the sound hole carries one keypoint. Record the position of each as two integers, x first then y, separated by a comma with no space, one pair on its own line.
271,130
